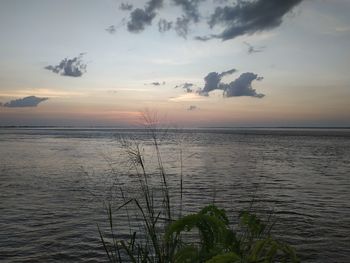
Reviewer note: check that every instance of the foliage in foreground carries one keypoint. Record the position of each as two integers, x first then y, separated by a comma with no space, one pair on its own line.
205,236
216,243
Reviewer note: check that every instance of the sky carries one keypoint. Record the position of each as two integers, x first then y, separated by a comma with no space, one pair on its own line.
196,63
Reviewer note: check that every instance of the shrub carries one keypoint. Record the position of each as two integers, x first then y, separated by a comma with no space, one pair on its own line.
205,236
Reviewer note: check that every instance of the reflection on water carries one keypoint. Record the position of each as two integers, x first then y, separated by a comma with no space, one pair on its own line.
53,183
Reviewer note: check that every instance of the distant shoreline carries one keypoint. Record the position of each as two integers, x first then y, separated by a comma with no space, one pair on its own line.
192,128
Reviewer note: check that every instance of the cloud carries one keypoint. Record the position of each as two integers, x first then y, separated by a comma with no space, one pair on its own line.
111,29
30,101
40,92
204,38
249,17
190,8
164,25
188,87
125,6
139,18
228,72
69,67
188,97
156,83
190,14
252,49
192,108
242,86
212,81
182,26
244,17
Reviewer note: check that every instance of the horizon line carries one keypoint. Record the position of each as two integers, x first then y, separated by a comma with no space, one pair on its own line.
199,127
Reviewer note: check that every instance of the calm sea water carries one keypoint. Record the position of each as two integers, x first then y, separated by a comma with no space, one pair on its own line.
53,183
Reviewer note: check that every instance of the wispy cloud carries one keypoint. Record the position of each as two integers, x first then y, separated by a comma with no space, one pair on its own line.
252,49
74,67
342,29
111,29
182,26
188,97
164,25
188,87
190,14
31,101
192,108
190,8
125,6
156,83
40,92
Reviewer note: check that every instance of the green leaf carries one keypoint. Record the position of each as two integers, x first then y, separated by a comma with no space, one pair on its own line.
225,258
187,254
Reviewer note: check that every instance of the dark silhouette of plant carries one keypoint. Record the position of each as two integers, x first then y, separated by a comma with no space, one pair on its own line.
205,236
218,243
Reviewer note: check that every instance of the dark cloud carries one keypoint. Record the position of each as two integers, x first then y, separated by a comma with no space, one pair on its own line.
220,1
190,8
228,72
192,108
69,67
190,14
156,83
242,86
139,18
203,38
30,101
188,87
164,25
182,26
252,49
212,81
248,17
125,6
244,17
154,4
111,29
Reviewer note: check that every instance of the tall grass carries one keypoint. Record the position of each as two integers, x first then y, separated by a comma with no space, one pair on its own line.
165,235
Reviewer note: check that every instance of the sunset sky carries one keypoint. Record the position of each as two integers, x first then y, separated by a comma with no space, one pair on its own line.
197,63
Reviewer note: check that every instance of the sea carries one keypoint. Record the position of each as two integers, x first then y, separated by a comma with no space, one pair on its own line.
56,183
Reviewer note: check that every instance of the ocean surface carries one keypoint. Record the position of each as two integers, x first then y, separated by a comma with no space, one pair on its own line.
54,184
